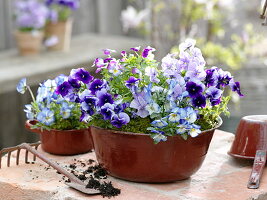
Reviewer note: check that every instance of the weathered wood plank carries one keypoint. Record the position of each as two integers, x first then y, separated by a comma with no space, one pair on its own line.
9,23
85,18
109,13
2,26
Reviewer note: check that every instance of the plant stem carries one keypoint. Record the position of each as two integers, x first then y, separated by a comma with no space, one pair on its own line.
33,98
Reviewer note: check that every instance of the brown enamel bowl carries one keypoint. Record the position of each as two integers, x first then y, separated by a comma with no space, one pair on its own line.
250,135
63,142
134,156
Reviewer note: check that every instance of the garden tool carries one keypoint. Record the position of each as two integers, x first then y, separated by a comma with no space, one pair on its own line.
260,159
75,182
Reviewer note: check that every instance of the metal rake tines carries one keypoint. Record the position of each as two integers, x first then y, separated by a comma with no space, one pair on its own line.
9,150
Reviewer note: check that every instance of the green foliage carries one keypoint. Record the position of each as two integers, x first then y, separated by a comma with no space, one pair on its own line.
26,29
64,12
60,123
209,115
132,62
137,125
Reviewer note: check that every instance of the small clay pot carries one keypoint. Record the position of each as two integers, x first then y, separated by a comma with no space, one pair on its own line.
29,43
251,134
63,142
62,30
134,156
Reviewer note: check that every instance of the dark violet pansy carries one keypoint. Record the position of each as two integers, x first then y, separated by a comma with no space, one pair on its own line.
64,88
194,88
107,111
82,75
211,78
146,51
199,101
96,85
74,82
215,102
85,116
120,107
88,104
132,81
90,100
120,120
224,78
235,86
103,98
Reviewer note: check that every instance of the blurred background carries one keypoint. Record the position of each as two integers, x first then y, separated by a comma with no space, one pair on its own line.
229,33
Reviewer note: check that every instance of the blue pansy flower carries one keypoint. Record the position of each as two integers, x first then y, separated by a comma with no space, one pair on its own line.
158,136
159,123
29,112
46,116
65,110
22,86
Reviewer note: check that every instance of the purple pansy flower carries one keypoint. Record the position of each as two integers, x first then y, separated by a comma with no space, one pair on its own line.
211,77
152,73
108,51
194,88
104,97
136,48
85,117
72,4
123,53
224,78
215,102
213,93
147,51
135,71
198,73
74,82
107,111
199,101
63,89
120,107
82,75
140,104
88,104
131,82
235,86
99,63
120,120
97,85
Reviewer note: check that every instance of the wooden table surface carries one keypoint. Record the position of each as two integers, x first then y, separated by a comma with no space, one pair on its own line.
220,178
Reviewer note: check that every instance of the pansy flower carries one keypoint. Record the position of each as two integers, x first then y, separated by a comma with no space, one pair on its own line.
82,75
120,119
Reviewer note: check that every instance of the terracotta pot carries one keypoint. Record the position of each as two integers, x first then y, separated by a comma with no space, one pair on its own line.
29,43
62,30
134,156
251,134
63,142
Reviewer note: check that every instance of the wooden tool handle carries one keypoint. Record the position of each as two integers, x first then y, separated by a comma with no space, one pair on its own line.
258,166
51,163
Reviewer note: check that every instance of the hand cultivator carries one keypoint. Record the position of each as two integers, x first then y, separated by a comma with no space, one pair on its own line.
75,182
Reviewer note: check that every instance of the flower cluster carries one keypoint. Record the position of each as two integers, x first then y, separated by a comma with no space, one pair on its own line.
30,15
95,99
50,110
183,98
61,10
